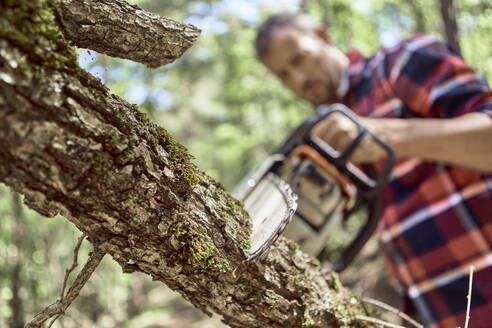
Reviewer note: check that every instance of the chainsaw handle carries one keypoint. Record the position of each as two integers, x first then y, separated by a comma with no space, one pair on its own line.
369,185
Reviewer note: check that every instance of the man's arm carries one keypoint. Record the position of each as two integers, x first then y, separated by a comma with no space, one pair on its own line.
463,141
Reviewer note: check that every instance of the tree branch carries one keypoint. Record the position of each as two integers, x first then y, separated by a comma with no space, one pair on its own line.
74,149
60,306
118,29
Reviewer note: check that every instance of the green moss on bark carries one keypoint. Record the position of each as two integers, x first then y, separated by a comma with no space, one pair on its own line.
197,251
30,26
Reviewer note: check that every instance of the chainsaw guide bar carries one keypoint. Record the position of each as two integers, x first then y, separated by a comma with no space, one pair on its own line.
271,204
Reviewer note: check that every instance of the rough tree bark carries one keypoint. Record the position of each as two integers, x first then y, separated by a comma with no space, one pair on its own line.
104,26
72,148
448,14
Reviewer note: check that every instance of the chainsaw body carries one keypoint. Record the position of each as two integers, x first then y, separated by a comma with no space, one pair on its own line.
328,186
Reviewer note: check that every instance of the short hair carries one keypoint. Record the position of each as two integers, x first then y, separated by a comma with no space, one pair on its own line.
297,21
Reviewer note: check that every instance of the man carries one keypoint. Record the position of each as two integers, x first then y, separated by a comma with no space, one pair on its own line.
434,110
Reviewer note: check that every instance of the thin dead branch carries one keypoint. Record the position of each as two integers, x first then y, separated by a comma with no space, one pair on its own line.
58,308
469,296
393,310
74,264
378,322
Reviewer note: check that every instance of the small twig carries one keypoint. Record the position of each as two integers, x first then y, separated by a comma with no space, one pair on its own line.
53,321
74,264
469,296
377,321
393,310
60,306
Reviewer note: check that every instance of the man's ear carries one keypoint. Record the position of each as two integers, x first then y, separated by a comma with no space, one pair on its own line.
322,32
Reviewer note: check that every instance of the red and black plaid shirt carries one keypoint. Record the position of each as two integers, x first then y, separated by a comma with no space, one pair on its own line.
438,218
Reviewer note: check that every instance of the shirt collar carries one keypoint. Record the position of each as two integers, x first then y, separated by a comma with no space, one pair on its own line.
356,62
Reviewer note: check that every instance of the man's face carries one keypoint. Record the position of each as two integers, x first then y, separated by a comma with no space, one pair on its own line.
306,63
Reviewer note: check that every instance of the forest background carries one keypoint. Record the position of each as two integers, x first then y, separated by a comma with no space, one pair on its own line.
230,113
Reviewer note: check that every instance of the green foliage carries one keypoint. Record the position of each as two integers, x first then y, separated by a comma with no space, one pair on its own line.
475,25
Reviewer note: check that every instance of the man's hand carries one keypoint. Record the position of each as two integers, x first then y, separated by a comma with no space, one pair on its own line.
338,132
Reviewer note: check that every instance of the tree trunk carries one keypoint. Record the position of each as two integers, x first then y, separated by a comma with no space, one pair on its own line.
448,14
418,14
16,302
74,149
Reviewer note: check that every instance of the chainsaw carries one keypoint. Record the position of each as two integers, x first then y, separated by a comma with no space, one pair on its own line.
307,189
